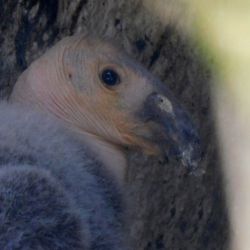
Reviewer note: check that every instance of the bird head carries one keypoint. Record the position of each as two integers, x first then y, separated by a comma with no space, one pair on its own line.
96,89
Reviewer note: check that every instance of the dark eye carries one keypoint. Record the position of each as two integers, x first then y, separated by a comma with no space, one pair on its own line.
110,77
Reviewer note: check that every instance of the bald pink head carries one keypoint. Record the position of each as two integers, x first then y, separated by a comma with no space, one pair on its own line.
98,91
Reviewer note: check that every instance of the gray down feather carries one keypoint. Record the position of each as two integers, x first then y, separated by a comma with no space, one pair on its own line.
53,194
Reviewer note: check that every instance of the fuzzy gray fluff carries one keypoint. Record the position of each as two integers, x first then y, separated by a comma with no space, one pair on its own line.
53,194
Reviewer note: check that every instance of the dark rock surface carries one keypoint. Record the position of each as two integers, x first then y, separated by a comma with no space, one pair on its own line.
173,209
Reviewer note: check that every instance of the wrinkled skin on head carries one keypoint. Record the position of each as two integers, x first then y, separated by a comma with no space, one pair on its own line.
138,111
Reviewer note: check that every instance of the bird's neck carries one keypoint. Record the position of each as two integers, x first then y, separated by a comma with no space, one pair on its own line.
111,157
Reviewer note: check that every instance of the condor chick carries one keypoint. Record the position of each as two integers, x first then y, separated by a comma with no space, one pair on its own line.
111,101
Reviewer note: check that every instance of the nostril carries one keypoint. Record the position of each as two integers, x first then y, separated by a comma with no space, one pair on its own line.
160,100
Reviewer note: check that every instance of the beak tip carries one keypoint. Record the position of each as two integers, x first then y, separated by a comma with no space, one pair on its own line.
191,158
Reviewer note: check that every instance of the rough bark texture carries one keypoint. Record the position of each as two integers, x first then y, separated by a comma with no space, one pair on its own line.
172,209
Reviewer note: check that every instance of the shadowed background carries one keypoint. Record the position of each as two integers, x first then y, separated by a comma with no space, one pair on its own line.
172,209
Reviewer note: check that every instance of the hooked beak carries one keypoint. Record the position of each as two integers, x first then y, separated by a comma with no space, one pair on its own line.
173,129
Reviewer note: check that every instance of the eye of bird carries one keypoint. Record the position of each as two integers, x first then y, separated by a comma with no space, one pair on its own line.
110,77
